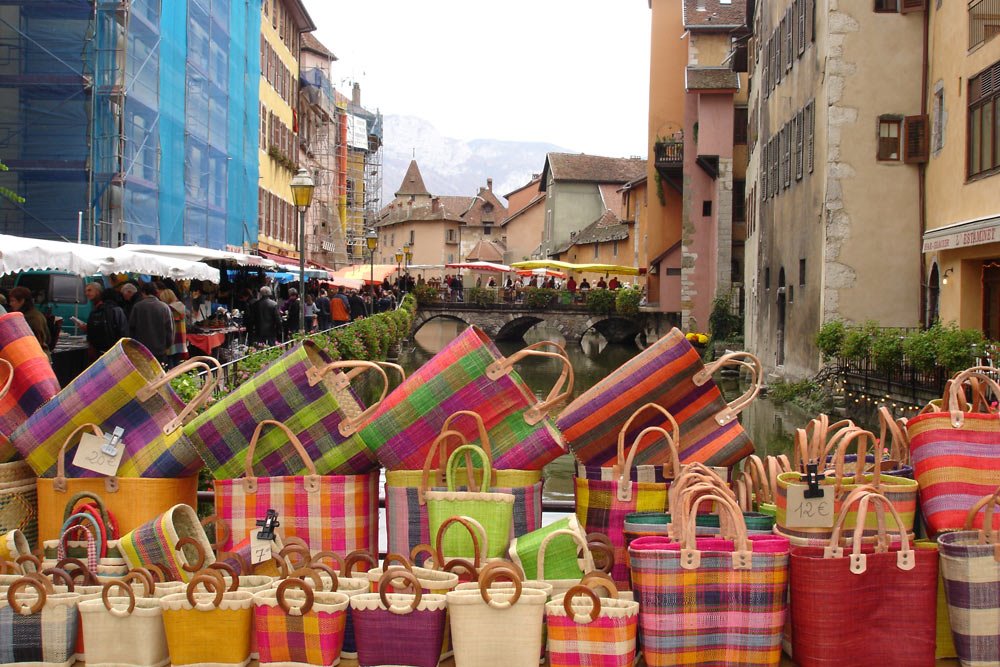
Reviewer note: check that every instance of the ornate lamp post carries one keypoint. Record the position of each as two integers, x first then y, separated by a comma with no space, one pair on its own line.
371,239
399,262
302,186
408,259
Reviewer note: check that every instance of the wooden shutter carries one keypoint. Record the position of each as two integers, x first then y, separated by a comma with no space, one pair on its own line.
799,133
789,37
811,133
800,6
915,136
779,41
811,20
762,168
907,6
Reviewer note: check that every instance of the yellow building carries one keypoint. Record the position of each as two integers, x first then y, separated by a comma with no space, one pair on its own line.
282,23
961,243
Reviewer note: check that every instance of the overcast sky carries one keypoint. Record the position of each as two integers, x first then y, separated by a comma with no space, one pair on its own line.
574,73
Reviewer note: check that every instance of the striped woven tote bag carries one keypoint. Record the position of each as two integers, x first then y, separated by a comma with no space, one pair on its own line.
671,374
33,383
336,513
956,455
471,374
174,541
406,506
308,392
970,568
125,388
38,627
709,600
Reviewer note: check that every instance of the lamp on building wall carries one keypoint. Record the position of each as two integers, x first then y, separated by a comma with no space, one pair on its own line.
399,261
408,253
944,278
302,186
371,239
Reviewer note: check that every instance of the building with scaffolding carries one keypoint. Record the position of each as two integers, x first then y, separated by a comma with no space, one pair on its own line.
138,115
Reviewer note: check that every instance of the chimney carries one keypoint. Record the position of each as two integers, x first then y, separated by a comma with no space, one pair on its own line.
356,94
489,184
435,205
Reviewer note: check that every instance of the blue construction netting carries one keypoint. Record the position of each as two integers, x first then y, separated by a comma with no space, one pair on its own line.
143,115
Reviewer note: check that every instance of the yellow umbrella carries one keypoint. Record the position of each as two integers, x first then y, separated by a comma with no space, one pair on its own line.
580,268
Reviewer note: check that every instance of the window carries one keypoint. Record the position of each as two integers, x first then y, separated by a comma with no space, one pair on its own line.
937,142
767,278
887,6
487,230
739,203
787,155
614,248
799,143
810,133
802,272
412,238
984,121
800,12
740,124
706,208
888,138
597,249
789,38
779,63
984,24
740,58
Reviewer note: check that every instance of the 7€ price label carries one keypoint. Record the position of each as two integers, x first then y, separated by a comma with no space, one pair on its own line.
260,550
90,456
805,512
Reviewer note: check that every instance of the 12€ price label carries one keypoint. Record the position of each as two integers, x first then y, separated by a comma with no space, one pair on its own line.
805,512
260,550
90,457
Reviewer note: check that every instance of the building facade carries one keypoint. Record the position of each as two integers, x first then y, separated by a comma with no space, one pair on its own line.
961,243
834,200
138,117
281,26
525,222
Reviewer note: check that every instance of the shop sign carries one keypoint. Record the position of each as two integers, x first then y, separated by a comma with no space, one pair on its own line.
979,234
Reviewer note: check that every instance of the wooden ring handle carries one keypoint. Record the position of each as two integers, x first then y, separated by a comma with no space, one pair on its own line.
129,593
80,569
320,556
231,571
241,561
403,561
412,582
486,580
211,584
585,591
422,549
357,557
301,585
26,582
159,570
334,579
29,558
58,573
143,576
302,572
303,553
222,530
190,541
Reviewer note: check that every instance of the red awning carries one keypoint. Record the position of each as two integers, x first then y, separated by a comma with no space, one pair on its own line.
280,259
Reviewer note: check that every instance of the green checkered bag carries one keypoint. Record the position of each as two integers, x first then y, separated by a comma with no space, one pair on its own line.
495,511
551,552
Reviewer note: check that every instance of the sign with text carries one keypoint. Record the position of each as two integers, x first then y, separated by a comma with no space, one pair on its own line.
805,512
260,550
986,232
93,455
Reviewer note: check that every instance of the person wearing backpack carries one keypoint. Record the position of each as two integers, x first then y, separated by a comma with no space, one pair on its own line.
107,322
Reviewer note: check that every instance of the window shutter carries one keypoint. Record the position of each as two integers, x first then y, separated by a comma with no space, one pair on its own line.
907,6
789,37
915,135
811,20
801,8
811,134
762,168
798,144
779,63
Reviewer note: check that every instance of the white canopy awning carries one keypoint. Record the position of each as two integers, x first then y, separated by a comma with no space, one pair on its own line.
18,253
197,254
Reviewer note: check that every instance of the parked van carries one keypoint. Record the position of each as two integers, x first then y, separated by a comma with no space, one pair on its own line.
56,293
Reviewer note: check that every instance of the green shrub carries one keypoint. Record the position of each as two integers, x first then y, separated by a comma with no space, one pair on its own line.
627,301
957,349
920,349
539,298
601,301
425,295
887,348
857,343
830,338
481,296
723,324
783,392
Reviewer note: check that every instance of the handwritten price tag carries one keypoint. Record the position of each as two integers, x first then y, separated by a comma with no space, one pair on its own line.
260,550
809,512
90,456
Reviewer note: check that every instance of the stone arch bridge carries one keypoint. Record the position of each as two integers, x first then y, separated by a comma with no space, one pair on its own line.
509,322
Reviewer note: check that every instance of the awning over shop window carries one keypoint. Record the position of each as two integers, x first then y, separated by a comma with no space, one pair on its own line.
963,234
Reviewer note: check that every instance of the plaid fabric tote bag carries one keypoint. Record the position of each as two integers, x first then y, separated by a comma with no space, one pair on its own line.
308,392
671,374
970,567
174,541
33,379
406,505
710,600
956,455
125,388
603,504
40,627
471,374
336,513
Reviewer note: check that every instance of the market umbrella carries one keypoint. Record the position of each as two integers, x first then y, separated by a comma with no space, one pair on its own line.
479,266
366,272
580,268
545,273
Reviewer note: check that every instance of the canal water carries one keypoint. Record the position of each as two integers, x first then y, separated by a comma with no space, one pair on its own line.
769,426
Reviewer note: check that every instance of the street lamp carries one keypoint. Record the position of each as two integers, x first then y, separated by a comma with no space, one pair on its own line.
408,253
371,239
302,186
399,264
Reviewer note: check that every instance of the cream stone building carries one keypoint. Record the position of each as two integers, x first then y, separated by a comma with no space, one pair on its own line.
962,239
838,139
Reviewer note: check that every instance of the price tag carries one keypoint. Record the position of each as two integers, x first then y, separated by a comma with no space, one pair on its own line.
805,512
91,455
260,550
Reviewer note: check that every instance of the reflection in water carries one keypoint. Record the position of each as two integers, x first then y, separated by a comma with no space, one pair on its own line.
770,427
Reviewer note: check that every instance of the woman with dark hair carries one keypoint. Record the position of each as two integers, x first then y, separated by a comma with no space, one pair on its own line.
21,301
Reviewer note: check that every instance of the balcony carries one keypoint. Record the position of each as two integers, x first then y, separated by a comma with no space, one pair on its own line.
669,162
984,21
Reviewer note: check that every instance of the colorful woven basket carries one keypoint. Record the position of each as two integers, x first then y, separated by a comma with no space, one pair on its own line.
33,380
406,509
38,628
709,600
208,628
336,513
584,629
553,552
19,500
120,628
471,374
297,626
174,541
308,392
126,388
671,374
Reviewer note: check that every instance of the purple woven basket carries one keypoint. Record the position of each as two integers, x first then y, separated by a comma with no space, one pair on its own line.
387,638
